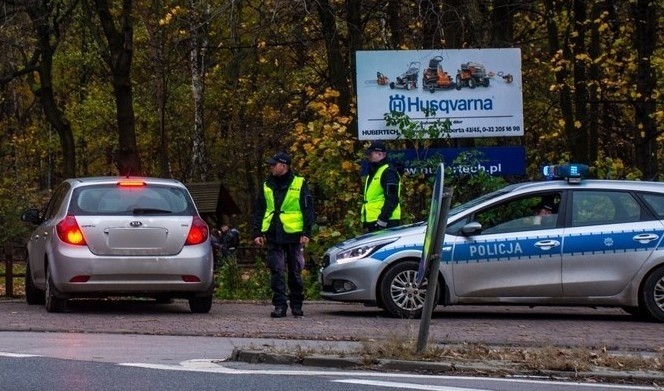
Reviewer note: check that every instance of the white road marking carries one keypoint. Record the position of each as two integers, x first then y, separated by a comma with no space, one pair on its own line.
17,355
214,366
410,386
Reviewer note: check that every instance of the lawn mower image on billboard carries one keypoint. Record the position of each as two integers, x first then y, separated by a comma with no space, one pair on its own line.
408,79
435,78
471,75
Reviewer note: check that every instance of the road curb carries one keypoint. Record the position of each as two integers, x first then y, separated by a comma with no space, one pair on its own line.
473,368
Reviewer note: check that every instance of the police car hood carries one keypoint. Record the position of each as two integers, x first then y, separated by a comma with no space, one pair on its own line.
394,232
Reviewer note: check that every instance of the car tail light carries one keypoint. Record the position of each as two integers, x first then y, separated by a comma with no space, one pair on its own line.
198,233
69,231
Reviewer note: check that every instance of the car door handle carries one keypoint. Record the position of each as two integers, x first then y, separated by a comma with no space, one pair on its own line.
645,238
547,244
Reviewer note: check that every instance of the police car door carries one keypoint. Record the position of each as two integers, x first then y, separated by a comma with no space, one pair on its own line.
610,236
515,254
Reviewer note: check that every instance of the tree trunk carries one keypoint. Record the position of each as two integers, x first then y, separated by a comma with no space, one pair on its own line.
197,60
48,38
555,50
158,56
355,34
594,92
395,24
119,58
502,23
580,136
645,129
337,68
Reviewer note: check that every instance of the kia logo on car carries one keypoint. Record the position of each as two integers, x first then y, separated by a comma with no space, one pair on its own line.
135,223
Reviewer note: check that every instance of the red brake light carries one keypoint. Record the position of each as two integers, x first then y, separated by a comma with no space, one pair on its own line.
198,233
131,183
69,231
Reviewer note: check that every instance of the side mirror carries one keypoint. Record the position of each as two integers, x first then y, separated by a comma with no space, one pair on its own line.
31,216
472,228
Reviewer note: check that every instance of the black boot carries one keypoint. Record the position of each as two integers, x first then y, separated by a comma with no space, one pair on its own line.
279,312
297,313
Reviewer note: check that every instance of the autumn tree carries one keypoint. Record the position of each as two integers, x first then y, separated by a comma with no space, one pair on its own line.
46,19
118,32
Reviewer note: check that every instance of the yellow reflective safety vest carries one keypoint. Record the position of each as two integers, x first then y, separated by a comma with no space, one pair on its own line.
374,198
290,212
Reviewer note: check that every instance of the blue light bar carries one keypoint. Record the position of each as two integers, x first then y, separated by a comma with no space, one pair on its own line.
573,173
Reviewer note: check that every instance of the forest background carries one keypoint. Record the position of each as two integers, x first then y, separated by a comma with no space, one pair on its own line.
207,90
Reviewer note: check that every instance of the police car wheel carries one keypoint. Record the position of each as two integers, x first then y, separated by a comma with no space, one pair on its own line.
653,294
399,292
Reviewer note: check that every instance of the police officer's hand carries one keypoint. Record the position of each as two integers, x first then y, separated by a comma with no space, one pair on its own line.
380,224
259,240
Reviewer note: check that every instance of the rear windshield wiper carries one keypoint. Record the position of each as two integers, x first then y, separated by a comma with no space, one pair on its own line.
145,211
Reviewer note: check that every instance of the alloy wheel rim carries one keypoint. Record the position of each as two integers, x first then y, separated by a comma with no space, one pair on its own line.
405,291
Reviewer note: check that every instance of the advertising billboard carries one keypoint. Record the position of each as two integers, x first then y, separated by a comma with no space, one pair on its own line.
497,161
478,90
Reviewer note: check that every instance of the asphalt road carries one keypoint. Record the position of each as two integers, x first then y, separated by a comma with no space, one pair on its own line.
612,329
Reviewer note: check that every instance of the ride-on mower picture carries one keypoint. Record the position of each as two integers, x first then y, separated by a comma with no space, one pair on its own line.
471,75
435,78
408,79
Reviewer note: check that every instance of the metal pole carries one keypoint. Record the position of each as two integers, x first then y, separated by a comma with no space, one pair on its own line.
434,268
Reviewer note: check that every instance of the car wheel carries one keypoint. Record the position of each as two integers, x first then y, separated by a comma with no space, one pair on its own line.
32,294
653,294
399,292
52,303
200,305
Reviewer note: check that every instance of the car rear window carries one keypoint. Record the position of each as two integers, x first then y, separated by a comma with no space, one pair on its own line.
111,199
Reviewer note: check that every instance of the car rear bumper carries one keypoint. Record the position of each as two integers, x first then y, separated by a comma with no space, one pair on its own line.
78,272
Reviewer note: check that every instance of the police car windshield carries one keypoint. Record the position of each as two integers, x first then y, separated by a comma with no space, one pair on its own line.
467,205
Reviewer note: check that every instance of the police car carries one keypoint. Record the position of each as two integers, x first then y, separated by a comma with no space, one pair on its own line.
600,244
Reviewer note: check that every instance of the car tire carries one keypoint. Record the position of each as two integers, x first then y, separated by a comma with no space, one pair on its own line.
652,294
399,293
52,302
33,295
200,305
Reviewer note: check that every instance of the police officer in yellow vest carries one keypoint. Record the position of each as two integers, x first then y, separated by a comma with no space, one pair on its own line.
381,207
283,217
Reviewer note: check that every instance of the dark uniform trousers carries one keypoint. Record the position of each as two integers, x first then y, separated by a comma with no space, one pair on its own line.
282,258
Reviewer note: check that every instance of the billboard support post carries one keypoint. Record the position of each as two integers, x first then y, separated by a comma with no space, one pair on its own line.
433,243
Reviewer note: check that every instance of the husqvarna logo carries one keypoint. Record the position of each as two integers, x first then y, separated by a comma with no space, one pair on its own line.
135,223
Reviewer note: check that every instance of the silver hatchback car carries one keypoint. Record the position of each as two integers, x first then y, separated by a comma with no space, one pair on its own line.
565,241
116,236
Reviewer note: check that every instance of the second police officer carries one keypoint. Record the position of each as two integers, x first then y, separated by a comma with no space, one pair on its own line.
381,204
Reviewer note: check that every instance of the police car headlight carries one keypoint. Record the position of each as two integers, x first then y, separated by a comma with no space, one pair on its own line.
362,251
